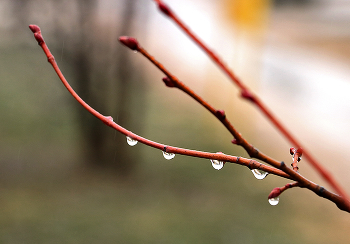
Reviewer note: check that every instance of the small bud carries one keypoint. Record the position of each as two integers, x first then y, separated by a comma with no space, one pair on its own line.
300,152
247,95
39,38
168,82
234,141
34,28
220,114
274,193
292,151
130,42
164,8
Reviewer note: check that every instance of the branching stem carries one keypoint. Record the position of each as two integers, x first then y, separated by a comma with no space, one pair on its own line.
280,168
246,93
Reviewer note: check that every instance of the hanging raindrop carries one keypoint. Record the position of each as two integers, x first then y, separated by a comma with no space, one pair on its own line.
131,141
168,155
259,174
274,201
217,164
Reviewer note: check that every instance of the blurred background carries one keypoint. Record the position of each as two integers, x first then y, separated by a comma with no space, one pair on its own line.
67,178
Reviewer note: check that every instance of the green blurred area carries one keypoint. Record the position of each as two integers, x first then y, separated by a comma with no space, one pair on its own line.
48,195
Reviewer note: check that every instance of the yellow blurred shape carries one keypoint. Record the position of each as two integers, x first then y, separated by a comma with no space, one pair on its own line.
248,14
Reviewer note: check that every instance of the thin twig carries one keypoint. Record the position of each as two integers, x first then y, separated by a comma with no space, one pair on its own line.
252,164
247,94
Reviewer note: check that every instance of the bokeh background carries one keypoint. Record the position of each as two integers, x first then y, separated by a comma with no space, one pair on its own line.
65,177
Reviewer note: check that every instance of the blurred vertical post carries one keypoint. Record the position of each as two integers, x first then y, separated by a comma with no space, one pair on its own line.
107,84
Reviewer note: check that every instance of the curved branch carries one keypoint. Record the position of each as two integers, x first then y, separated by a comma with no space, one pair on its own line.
252,164
108,120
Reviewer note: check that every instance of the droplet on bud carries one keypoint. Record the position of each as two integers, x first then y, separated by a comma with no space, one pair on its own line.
131,141
259,174
274,201
168,155
217,164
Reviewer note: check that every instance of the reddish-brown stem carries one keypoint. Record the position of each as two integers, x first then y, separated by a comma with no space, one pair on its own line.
173,81
252,164
245,92
108,120
276,192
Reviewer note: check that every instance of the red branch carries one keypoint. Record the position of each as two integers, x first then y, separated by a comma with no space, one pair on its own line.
282,170
246,93
276,192
108,120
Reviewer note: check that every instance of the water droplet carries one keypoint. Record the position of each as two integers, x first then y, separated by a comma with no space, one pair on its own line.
274,201
217,164
259,174
135,51
131,141
168,155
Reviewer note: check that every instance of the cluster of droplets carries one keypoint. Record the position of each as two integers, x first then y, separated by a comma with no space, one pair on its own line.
259,174
274,201
131,141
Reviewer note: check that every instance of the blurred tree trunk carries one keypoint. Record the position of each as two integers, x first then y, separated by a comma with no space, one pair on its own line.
109,94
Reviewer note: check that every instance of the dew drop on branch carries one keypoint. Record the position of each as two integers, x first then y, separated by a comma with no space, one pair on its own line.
131,141
274,201
217,164
168,155
259,174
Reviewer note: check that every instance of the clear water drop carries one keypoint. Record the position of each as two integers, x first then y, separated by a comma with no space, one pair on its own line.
217,164
259,174
274,201
131,141
135,51
168,155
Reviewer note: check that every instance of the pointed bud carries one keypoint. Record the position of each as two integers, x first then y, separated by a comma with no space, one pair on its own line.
164,8
34,28
168,82
275,193
220,114
247,95
234,141
292,151
39,38
130,42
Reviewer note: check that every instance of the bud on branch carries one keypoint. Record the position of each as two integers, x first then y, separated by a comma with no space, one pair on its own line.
130,42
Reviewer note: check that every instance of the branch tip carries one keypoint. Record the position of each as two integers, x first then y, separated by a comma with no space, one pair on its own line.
34,28
164,8
275,193
130,42
39,38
